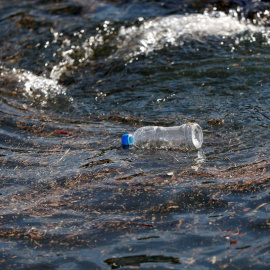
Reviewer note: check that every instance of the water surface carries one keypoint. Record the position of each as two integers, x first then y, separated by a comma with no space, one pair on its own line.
75,76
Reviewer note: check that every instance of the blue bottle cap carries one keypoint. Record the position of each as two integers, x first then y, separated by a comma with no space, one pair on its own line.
127,139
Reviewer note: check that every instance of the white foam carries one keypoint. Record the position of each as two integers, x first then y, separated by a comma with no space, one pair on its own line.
39,87
151,35
63,66
155,34
68,53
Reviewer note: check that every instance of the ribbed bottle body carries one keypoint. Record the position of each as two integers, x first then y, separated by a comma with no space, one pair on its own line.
188,136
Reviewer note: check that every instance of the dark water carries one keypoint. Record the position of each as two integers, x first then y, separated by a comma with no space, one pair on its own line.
75,76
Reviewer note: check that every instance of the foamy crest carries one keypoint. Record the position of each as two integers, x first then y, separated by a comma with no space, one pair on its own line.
63,66
157,33
39,87
131,42
73,55
150,36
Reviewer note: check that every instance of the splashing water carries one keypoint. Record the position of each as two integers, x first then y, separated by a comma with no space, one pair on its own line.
174,30
153,35
40,86
71,196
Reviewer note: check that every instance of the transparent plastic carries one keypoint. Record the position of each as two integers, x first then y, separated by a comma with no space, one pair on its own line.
187,137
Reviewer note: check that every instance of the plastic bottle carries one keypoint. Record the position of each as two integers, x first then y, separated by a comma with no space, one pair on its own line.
187,137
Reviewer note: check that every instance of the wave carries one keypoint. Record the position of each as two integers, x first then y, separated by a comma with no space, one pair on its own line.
39,89
133,41
175,29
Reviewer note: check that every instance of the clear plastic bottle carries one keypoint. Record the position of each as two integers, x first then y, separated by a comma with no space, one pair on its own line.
187,137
